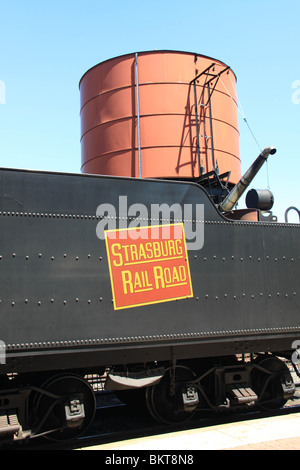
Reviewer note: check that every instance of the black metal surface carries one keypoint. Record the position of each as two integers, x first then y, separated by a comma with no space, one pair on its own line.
56,306
261,199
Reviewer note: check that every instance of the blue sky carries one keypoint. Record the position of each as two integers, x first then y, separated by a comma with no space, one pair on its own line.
46,46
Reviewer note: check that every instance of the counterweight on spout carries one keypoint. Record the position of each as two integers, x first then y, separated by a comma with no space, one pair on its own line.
235,194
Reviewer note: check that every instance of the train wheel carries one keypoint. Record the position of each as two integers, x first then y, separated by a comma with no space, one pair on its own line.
268,379
65,408
164,400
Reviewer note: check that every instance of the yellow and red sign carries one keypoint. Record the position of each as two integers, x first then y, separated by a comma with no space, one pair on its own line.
148,265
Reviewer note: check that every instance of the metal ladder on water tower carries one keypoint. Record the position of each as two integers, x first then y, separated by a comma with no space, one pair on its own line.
211,78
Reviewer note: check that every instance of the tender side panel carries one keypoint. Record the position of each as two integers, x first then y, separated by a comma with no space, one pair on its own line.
56,292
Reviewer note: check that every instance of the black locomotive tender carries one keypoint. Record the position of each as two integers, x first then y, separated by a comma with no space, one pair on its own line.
58,321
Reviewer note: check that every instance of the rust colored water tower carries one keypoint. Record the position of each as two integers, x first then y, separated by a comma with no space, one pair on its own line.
160,114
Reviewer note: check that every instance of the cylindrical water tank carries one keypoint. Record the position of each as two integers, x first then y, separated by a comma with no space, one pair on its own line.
138,117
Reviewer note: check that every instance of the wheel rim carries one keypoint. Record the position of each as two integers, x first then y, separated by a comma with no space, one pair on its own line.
267,383
50,409
165,406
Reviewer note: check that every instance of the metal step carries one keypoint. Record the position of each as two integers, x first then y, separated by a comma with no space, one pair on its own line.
241,394
9,424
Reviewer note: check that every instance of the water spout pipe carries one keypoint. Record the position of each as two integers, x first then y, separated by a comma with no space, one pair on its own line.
235,194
